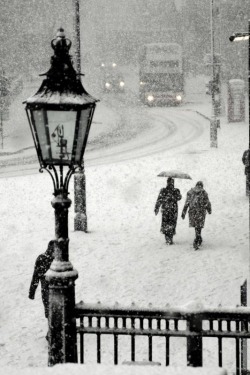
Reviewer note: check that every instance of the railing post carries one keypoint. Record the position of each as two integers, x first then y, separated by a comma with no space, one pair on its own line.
243,342
194,343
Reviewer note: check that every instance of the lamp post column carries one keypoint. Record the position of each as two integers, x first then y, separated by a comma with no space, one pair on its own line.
61,277
80,221
248,174
249,75
213,122
1,114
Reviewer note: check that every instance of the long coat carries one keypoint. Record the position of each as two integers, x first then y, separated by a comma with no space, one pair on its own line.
246,162
198,204
167,200
42,265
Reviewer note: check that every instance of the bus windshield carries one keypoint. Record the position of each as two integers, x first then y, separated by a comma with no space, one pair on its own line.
165,82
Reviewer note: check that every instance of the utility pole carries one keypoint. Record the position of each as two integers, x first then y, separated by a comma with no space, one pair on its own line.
214,120
2,129
220,99
77,38
80,220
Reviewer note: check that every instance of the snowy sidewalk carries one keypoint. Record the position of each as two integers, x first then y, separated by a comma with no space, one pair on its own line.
113,370
124,257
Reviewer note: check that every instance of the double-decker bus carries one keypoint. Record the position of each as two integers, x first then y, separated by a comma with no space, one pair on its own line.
161,74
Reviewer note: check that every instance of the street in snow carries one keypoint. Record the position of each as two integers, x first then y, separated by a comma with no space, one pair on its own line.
124,258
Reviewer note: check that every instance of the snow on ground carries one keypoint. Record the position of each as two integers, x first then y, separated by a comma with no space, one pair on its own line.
124,257
73,369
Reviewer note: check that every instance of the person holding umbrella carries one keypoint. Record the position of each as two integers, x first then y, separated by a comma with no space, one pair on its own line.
198,204
167,200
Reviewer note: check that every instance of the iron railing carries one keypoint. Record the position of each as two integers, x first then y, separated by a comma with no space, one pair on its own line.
194,324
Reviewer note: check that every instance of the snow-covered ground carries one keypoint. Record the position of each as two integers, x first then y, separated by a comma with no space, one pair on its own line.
73,369
124,256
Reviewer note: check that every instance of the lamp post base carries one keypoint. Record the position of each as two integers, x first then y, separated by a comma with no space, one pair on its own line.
62,346
61,279
80,222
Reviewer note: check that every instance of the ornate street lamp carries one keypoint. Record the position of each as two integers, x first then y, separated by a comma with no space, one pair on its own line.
60,116
238,37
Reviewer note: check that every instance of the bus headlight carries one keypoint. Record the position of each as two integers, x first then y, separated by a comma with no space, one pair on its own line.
150,98
122,83
142,83
114,65
178,98
107,84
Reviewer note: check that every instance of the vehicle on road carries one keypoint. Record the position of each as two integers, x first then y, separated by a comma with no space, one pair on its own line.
161,74
113,80
108,65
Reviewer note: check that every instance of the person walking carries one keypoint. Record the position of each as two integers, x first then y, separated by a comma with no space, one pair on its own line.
245,161
167,200
198,204
42,265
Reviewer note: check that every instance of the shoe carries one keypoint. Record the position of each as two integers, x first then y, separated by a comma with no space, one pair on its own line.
196,244
199,240
169,240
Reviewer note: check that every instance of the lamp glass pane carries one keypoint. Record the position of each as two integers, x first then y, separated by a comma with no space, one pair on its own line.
61,132
40,130
83,123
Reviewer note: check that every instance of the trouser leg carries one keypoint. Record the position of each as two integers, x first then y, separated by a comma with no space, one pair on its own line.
169,235
45,300
198,232
247,184
198,238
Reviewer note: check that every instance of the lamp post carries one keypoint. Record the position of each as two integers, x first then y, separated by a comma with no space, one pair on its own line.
80,220
60,116
237,37
4,102
214,124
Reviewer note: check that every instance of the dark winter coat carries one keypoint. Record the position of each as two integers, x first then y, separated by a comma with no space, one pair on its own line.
198,204
245,160
42,265
167,200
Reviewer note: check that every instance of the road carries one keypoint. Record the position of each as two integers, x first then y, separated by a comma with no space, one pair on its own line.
138,131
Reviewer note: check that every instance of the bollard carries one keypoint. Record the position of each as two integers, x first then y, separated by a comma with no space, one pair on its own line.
80,221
